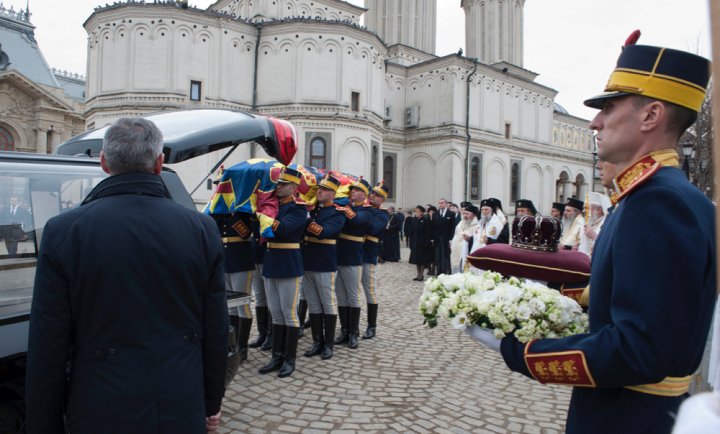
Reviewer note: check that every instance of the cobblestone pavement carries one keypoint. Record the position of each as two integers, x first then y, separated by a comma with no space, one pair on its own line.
408,379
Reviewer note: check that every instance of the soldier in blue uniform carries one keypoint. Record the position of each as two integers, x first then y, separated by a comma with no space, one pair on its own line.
652,286
264,319
239,253
320,262
350,261
371,251
282,270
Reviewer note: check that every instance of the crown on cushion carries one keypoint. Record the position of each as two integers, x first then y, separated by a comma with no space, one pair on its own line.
536,233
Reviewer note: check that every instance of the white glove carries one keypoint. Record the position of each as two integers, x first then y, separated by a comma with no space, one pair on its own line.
484,336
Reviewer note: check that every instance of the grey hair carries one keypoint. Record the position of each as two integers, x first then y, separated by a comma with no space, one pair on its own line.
132,145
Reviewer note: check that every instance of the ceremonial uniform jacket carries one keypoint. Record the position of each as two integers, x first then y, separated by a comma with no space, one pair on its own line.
283,257
352,236
371,246
320,249
258,247
235,230
652,291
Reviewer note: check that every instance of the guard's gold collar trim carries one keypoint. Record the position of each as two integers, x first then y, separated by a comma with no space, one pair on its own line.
641,171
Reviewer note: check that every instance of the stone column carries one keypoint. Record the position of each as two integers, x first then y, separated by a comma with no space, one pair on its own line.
41,141
567,190
55,139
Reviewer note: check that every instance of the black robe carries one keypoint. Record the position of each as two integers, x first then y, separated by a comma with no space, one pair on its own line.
391,240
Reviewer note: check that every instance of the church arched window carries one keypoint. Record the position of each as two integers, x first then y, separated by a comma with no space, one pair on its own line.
515,181
389,174
475,178
7,142
318,153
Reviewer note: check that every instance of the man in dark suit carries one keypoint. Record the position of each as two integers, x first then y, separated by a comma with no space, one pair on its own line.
15,221
130,294
443,231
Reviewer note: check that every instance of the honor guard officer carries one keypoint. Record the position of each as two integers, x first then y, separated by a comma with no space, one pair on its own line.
653,273
371,251
350,261
239,252
320,262
264,319
282,270
239,265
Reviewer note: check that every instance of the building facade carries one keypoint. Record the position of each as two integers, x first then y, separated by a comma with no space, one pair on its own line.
369,100
39,106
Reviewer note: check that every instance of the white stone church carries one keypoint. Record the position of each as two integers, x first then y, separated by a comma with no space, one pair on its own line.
369,99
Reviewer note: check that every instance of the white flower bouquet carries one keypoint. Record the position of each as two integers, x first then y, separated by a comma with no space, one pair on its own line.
527,309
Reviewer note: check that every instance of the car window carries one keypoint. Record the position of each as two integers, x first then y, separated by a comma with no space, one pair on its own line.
30,195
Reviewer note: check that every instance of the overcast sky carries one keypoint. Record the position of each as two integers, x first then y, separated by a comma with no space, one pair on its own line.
572,44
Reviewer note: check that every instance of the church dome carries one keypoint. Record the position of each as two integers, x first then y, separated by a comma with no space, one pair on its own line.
560,109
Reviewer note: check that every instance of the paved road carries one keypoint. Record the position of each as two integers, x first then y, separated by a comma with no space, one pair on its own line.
407,379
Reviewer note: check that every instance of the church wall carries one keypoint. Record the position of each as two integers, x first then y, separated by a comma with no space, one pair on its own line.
279,9
307,71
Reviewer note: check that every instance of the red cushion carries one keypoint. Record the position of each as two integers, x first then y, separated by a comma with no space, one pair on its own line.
564,266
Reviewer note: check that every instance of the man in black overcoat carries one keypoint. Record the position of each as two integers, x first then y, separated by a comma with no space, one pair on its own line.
443,230
130,295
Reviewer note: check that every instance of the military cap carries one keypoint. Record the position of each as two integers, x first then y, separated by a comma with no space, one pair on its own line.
381,189
575,203
525,203
290,176
330,182
559,206
661,73
362,185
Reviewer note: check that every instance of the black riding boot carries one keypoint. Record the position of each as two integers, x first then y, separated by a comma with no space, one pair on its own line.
261,313
278,350
371,321
353,327
302,310
329,322
316,325
268,344
243,336
343,314
291,341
